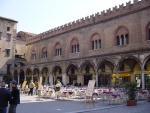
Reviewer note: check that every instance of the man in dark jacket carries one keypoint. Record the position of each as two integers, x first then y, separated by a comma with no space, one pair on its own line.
4,98
15,97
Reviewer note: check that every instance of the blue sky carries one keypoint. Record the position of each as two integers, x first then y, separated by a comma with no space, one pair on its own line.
37,16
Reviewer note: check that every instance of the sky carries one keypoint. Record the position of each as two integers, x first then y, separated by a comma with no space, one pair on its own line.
37,16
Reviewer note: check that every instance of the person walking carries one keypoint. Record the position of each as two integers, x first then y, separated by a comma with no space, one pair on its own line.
31,86
57,88
15,97
5,97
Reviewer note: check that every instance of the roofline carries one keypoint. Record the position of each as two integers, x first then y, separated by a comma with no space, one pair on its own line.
8,19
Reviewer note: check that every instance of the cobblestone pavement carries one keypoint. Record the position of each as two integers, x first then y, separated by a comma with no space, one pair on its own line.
139,108
30,105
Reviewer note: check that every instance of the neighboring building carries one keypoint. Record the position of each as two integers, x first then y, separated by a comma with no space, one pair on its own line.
106,46
8,29
20,49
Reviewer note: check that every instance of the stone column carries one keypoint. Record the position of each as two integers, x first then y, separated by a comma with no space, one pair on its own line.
18,79
117,78
120,40
64,78
143,79
32,76
96,79
98,44
125,40
51,79
46,79
25,77
79,78
94,45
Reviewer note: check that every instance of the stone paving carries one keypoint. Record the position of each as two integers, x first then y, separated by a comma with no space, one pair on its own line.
30,105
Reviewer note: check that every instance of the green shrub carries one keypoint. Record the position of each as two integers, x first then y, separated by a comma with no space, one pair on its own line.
131,88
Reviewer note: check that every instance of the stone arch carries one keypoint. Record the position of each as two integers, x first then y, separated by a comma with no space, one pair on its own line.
45,75
21,76
28,75
107,62
128,68
57,73
88,72
126,58
87,62
19,64
57,49
57,45
44,52
95,41
28,71
15,75
145,61
72,72
146,66
33,55
105,72
121,30
74,45
121,35
95,36
36,74
72,65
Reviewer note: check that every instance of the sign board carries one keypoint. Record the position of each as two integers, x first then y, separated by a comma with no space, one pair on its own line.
139,82
40,83
90,88
23,85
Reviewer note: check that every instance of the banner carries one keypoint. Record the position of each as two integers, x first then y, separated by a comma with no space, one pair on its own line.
23,85
139,82
90,88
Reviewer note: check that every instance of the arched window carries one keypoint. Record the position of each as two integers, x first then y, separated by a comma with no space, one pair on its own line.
122,36
33,55
74,45
58,50
96,41
44,52
148,32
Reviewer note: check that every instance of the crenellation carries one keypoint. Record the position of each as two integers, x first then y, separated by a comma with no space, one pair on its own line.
121,6
108,11
92,18
103,13
135,1
87,18
97,17
115,8
128,4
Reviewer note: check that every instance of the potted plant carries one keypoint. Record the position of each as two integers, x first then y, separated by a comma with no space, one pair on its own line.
148,88
131,88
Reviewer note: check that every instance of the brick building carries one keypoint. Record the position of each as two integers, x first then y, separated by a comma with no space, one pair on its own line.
104,46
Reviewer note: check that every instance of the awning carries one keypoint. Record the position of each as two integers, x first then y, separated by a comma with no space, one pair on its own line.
122,75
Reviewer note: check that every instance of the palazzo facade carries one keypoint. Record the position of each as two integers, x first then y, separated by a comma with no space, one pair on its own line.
110,47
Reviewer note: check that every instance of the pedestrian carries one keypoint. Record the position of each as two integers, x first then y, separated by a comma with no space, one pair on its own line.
15,97
31,86
4,98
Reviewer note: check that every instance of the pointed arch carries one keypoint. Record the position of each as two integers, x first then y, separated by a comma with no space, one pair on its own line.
122,36
58,49
95,41
74,45
44,52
